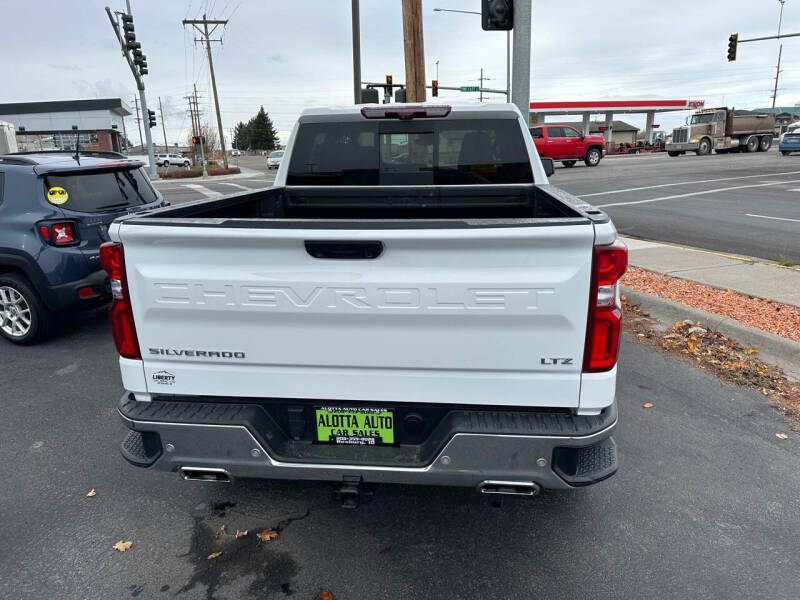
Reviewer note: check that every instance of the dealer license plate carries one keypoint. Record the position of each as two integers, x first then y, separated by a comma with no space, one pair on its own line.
354,426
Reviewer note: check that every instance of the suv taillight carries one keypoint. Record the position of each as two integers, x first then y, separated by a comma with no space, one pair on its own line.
59,233
112,259
605,313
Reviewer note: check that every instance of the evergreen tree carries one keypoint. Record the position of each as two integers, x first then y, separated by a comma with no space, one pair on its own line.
262,133
241,139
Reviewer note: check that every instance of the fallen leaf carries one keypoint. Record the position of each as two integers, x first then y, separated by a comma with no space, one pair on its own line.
751,350
222,528
691,347
768,300
121,546
325,595
216,535
781,436
214,555
91,493
729,293
267,535
240,533
648,405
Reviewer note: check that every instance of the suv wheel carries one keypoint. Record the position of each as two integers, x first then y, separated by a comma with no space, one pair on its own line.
593,157
186,163
24,319
166,163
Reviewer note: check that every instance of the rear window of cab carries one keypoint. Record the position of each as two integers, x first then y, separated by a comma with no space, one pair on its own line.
99,191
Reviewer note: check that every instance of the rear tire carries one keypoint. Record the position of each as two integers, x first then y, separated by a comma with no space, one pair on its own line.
764,143
674,154
785,152
186,163
593,157
751,145
568,163
24,319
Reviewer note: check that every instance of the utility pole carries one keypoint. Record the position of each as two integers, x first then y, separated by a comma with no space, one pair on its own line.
414,50
521,76
206,33
481,78
356,52
201,134
138,121
124,137
131,50
163,127
780,51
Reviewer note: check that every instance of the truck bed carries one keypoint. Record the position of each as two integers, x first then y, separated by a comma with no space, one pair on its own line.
469,203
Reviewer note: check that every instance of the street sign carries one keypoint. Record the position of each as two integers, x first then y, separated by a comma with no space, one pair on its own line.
656,125
469,88
695,103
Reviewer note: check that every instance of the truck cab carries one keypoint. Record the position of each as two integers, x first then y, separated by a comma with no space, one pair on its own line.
567,144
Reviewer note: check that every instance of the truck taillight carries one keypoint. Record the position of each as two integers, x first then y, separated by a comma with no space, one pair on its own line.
605,313
112,259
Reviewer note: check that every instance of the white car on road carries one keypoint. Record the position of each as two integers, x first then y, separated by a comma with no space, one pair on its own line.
165,160
274,159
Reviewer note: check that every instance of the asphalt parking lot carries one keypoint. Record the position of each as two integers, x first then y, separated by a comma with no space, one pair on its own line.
705,505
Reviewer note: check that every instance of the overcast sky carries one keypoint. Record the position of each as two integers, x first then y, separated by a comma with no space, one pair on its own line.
290,55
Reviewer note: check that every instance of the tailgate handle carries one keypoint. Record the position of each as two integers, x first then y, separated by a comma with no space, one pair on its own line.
344,249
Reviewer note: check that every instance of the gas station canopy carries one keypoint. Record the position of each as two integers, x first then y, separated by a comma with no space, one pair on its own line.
609,107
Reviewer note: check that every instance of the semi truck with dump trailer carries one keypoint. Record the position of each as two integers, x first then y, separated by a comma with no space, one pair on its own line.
723,130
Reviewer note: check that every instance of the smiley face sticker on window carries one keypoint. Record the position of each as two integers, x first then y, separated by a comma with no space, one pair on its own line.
57,195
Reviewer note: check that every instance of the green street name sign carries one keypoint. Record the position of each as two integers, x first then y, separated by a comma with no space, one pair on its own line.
469,88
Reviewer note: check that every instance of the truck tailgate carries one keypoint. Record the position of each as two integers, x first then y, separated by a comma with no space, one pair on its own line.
473,315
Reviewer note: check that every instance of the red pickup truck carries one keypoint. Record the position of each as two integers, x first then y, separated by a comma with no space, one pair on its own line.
564,143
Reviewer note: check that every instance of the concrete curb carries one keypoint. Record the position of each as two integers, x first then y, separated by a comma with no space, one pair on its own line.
772,348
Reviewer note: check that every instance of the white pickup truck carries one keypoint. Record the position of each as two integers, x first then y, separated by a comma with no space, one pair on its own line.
411,303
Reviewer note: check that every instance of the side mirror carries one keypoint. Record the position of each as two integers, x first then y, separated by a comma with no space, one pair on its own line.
549,166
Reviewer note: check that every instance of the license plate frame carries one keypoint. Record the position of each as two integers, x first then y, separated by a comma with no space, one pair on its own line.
354,425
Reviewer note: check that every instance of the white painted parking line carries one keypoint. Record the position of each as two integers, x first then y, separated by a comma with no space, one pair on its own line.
203,190
776,218
236,185
704,192
663,185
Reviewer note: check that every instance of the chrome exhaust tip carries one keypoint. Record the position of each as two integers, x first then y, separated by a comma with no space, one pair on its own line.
511,488
205,474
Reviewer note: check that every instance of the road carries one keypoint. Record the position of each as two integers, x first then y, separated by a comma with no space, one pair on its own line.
705,505
739,203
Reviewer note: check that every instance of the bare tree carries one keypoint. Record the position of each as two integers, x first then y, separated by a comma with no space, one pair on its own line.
211,137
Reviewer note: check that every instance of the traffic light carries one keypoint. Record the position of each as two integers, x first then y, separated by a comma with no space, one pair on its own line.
142,62
197,139
497,15
733,42
400,95
435,88
389,80
128,33
151,118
